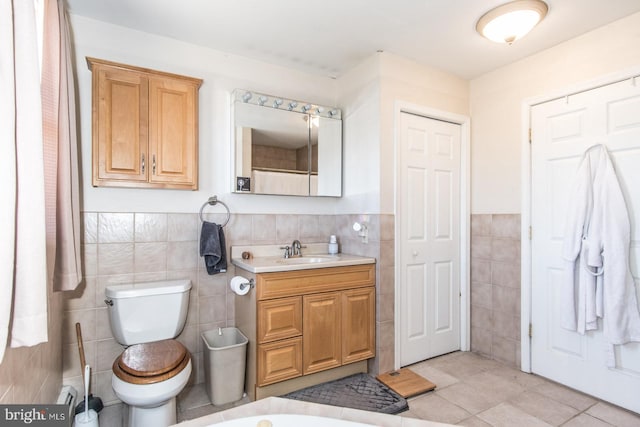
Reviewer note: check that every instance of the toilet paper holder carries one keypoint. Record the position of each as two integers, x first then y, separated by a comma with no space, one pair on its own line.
251,283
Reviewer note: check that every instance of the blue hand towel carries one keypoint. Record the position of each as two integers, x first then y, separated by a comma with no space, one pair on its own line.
212,248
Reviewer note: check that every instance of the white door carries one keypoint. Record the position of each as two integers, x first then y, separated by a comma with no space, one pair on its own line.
562,130
429,210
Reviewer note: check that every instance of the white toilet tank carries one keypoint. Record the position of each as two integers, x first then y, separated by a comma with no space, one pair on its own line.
146,312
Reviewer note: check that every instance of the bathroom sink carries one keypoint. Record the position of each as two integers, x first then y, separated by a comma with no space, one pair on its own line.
310,259
268,258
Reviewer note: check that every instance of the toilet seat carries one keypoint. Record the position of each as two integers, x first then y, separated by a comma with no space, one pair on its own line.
152,362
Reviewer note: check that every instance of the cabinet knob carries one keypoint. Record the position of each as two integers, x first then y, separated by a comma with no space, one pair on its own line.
415,253
142,162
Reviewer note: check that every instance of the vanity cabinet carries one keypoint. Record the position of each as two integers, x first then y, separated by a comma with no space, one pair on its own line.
309,321
144,127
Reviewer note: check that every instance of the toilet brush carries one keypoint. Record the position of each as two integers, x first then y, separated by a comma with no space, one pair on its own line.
95,403
88,418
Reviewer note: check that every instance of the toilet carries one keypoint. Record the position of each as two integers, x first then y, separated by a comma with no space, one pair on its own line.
154,367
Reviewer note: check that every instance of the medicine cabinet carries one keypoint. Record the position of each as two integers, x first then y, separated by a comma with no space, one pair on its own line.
285,147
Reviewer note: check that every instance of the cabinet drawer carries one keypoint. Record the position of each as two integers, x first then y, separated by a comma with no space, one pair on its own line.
289,283
280,360
279,319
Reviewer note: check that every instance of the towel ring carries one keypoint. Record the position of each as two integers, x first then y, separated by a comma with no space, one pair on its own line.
214,201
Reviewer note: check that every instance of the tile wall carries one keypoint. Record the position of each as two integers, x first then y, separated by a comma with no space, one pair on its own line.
126,247
381,247
495,286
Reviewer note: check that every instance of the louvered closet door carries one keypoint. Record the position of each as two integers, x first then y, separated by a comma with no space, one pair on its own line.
562,130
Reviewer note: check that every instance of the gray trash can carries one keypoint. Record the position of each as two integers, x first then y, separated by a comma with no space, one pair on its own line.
225,356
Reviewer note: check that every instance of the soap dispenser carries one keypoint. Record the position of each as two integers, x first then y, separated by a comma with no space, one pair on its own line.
333,245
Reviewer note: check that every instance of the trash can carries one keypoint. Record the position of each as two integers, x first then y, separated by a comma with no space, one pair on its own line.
225,356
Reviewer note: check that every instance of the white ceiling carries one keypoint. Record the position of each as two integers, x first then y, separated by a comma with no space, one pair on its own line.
328,37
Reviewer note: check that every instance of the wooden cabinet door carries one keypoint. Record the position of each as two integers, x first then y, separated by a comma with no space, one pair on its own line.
321,326
358,324
120,125
280,318
279,361
173,142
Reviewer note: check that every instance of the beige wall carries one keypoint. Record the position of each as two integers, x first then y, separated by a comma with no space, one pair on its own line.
360,100
496,102
369,95
221,74
403,80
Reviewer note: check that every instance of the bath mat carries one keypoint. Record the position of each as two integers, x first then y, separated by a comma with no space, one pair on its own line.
406,383
358,391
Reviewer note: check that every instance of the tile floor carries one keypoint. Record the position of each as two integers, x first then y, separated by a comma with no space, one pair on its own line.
475,391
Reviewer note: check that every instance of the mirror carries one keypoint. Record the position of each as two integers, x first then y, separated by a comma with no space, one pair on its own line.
285,147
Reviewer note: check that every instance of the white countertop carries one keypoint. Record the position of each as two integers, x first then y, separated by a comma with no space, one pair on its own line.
269,258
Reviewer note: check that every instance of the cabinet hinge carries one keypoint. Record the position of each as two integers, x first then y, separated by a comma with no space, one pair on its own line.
530,136
530,330
530,233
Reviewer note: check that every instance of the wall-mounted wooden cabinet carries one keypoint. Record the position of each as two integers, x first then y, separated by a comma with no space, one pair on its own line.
145,127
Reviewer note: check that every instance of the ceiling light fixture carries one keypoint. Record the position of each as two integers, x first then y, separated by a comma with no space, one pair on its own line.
511,21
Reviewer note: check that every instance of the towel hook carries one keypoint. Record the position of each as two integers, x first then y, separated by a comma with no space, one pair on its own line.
213,200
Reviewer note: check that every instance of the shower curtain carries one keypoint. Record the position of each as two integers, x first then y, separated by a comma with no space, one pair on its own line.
37,146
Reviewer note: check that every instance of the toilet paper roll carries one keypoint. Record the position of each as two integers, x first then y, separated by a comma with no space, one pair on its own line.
235,283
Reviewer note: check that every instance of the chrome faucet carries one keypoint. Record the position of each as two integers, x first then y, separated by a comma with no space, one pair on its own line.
296,248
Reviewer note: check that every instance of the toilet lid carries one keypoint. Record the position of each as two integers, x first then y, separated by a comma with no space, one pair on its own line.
152,359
